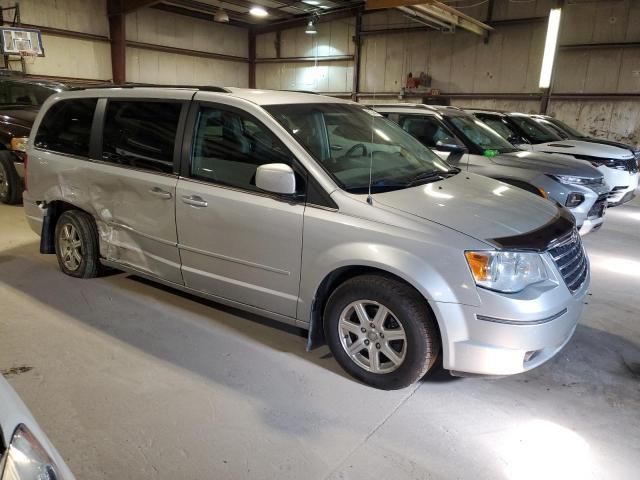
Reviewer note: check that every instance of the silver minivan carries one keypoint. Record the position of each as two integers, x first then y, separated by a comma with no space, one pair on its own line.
314,211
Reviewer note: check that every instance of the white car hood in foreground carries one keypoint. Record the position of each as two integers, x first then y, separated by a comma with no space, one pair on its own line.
578,147
13,413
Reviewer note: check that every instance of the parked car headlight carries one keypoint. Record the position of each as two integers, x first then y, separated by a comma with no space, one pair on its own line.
27,459
507,272
572,180
19,144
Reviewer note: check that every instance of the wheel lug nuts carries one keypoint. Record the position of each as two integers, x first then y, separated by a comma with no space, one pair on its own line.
363,330
366,342
381,335
372,325
377,345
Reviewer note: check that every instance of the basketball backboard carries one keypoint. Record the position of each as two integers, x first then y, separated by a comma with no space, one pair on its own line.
17,41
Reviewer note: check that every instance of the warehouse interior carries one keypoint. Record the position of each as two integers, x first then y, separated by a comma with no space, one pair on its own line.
132,379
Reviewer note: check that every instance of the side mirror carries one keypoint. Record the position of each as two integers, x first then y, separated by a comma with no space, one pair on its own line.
450,147
276,178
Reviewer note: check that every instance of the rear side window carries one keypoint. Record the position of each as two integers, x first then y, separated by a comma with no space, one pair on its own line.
141,134
66,127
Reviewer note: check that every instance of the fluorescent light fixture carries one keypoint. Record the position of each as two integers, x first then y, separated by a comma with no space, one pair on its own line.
311,2
258,12
550,47
311,28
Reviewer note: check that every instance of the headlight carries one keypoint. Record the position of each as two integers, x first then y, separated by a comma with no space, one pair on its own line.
27,459
507,272
19,144
572,180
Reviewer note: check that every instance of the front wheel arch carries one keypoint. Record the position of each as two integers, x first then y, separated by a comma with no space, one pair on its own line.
333,280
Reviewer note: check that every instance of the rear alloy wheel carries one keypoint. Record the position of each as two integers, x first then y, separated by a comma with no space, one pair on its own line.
77,247
381,331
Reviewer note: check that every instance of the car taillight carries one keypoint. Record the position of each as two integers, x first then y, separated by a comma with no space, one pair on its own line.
25,159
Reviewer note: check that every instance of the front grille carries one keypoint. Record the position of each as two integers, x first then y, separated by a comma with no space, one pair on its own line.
632,165
571,259
599,207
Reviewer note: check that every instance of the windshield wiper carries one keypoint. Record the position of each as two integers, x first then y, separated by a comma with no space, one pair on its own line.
433,176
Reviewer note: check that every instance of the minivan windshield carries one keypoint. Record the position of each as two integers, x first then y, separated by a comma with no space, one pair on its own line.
534,132
359,147
480,134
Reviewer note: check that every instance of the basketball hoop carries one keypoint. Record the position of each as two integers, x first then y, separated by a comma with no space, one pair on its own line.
29,56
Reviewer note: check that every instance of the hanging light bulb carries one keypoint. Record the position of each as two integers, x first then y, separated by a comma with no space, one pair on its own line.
311,28
221,16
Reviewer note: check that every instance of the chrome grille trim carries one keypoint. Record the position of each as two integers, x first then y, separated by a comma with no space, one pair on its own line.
571,260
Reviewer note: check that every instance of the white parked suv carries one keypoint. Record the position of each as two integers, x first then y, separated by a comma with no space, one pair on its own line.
311,210
618,165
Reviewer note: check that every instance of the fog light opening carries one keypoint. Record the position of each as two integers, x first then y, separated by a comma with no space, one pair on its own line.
530,355
574,199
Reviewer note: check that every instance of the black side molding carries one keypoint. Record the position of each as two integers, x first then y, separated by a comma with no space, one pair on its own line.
541,238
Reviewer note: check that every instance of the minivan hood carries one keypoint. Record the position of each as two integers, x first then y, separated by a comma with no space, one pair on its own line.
548,163
580,147
478,206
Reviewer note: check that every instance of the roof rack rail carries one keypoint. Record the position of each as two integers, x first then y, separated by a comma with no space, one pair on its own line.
402,105
204,88
299,91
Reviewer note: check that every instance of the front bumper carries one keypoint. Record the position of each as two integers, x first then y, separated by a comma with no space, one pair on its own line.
622,183
527,329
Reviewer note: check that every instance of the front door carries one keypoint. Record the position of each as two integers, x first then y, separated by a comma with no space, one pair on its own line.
235,241
138,150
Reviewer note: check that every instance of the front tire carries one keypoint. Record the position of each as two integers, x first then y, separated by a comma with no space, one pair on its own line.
10,183
381,331
77,247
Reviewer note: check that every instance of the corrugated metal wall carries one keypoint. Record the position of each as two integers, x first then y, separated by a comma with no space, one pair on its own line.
155,27
318,74
68,57
463,63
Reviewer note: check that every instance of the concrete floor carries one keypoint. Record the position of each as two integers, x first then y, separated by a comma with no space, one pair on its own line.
132,381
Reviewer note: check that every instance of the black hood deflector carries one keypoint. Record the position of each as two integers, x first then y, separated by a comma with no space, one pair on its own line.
541,238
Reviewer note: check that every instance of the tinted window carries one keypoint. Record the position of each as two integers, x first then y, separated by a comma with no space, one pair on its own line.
480,134
15,93
534,131
141,134
428,130
499,126
66,127
229,147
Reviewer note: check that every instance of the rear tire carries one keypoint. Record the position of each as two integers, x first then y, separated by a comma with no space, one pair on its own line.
10,182
381,331
77,246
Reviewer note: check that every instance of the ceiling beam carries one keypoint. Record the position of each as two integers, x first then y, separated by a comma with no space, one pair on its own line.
380,4
302,20
119,7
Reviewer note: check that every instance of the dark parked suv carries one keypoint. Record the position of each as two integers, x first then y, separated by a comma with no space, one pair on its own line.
20,100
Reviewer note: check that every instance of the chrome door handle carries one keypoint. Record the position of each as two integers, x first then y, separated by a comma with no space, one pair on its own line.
158,192
194,200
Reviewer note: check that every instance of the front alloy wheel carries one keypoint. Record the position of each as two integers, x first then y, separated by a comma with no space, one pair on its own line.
372,336
381,331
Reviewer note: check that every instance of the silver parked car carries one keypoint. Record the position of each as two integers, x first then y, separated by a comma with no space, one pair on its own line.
25,451
314,211
618,165
470,144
